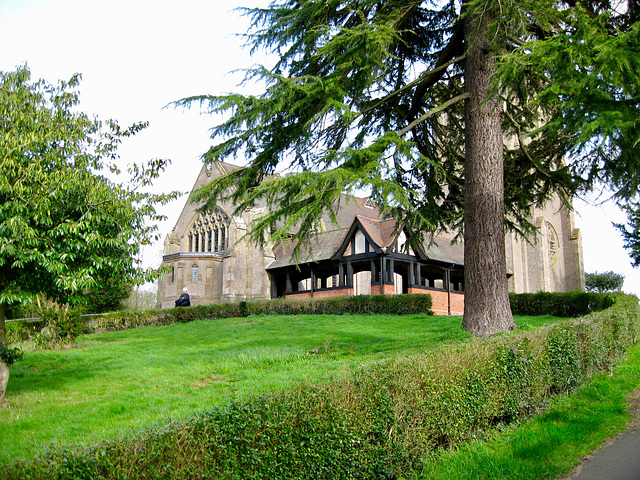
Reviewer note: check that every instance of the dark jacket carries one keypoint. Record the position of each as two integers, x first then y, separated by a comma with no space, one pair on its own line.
183,301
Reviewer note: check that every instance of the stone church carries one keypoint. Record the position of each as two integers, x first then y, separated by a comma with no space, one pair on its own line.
361,254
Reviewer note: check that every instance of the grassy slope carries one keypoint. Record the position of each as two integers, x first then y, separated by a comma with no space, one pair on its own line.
116,382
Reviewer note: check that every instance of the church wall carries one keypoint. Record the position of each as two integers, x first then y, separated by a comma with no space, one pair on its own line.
239,272
518,251
235,274
362,283
552,260
572,255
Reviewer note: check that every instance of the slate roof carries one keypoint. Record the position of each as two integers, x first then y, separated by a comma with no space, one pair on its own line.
441,249
321,247
325,246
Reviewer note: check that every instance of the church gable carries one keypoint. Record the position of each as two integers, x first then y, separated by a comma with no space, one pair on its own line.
357,241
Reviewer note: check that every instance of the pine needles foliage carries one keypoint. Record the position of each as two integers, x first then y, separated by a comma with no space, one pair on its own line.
380,97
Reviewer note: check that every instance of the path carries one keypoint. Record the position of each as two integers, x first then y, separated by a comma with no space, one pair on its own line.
619,457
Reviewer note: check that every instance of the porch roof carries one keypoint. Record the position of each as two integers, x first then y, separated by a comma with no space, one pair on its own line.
440,249
321,247
324,246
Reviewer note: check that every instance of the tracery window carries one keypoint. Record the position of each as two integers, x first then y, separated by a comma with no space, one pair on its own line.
210,232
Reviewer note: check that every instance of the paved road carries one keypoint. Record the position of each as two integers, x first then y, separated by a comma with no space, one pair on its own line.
619,459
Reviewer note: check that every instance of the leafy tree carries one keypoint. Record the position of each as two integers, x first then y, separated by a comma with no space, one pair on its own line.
65,227
604,282
101,300
597,100
413,101
631,231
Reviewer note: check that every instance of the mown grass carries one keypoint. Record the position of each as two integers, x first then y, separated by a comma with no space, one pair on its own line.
552,444
114,383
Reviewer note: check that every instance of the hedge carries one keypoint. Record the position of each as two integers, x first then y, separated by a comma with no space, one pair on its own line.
572,304
382,422
123,320
556,304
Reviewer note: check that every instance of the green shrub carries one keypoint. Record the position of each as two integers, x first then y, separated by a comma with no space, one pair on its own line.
20,331
10,355
572,304
68,327
57,324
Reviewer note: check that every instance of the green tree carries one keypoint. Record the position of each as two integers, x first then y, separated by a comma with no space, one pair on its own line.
413,101
604,282
65,227
631,230
101,300
596,102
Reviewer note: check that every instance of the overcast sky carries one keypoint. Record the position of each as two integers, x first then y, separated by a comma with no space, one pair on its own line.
137,56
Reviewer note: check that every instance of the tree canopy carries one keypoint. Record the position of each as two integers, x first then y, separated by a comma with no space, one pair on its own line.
604,282
67,225
454,116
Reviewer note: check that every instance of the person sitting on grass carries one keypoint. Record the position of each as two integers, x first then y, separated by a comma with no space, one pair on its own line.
184,300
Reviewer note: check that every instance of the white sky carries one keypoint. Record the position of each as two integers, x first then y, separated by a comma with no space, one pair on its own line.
136,56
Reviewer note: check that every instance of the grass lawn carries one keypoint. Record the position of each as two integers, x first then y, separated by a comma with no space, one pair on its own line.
114,383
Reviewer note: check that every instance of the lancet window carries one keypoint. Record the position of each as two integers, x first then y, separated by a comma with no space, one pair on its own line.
210,232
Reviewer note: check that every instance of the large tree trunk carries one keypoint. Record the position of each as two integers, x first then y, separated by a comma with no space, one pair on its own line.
487,309
4,379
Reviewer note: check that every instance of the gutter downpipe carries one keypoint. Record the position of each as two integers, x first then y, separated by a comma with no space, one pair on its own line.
448,270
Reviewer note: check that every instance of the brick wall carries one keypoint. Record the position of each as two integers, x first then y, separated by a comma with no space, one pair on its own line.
383,289
440,304
337,292
334,292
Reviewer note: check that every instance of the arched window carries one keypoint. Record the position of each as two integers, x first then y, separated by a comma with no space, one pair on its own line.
210,232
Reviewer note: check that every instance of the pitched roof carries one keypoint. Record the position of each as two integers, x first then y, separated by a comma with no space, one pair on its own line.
322,246
381,232
440,249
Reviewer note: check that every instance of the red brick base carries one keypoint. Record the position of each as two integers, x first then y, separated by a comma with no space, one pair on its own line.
383,289
334,292
440,302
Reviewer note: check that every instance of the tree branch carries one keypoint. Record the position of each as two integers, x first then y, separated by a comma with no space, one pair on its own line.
439,69
454,46
433,111
523,146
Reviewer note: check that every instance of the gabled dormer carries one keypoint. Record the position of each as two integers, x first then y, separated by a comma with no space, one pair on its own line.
358,241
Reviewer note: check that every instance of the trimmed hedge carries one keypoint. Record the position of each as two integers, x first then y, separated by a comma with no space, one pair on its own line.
380,423
123,320
572,304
